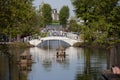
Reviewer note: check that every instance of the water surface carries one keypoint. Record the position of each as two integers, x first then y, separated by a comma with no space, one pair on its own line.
79,64
85,64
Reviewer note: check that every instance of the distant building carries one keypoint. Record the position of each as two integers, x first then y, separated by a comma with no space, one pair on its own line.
54,15
54,11
78,20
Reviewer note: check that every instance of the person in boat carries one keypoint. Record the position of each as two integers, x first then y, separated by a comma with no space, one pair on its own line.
114,74
115,70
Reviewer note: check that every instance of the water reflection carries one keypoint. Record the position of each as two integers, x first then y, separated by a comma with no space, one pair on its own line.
6,60
25,62
9,69
85,64
94,63
80,64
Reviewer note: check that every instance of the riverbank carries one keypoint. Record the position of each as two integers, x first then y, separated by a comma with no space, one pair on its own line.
19,45
106,45
91,45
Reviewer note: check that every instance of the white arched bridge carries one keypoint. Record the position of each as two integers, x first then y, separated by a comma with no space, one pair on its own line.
70,41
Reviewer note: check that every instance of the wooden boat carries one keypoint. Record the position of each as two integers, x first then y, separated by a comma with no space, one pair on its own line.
60,52
109,75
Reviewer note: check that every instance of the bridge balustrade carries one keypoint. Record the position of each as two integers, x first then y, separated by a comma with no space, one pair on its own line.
64,34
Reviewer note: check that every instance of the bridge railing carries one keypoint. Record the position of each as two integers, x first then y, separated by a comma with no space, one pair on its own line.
54,33
64,34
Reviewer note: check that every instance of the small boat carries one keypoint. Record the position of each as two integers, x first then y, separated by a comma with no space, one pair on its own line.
109,75
60,52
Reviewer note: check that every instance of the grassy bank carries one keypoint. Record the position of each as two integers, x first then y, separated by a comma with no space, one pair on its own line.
92,45
20,45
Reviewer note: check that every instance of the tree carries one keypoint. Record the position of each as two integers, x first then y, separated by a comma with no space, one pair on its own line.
114,29
101,24
32,26
46,13
84,10
108,9
40,20
15,16
64,15
74,26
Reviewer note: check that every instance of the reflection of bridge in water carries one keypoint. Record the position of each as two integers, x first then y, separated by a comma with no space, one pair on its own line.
67,39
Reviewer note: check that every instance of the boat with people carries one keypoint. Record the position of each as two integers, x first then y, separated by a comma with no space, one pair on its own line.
112,74
61,52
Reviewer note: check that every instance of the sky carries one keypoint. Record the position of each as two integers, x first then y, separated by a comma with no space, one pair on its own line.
56,4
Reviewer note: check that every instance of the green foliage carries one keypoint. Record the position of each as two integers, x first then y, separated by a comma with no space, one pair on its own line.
43,34
83,8
74,26
46,14
55,22
40,18
114,29
101,19
64,15
17,17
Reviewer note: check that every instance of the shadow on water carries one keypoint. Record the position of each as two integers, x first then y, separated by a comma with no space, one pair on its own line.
92,66
114,56
6,61
9,67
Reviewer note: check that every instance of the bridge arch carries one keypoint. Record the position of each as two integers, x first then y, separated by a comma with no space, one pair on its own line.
53,43
61,38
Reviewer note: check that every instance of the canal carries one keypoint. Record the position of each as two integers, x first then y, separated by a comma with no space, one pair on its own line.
79,64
